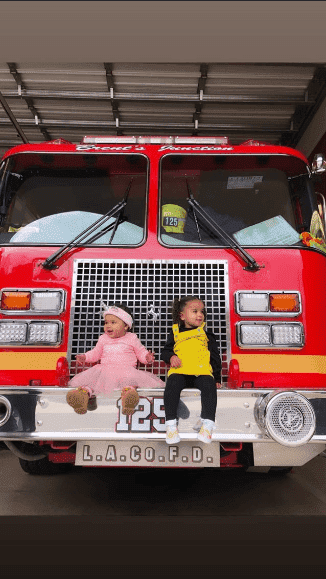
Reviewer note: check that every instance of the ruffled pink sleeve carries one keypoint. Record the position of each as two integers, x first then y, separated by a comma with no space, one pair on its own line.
95,354
140,350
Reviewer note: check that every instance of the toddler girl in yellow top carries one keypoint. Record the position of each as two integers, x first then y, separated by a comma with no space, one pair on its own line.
194,363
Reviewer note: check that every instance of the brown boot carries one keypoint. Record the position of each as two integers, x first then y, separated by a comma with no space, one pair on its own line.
78,399
92,403
129,399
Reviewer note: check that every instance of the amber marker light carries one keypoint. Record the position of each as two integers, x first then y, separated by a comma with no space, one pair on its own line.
284,303
15,300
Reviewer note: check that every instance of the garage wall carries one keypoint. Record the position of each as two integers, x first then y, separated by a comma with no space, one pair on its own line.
314,141
315,133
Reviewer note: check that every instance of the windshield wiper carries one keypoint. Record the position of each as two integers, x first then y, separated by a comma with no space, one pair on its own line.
217,230
49,263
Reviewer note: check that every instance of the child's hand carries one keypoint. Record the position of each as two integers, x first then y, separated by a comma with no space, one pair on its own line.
175,362
81,358
218,385
150,357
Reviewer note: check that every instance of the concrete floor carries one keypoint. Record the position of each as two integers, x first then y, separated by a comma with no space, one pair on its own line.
163,492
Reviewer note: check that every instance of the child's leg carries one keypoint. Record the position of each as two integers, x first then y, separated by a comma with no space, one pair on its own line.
207,387
174,385
78,399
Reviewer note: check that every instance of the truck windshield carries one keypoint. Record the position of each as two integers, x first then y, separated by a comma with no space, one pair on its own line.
50,199
258,200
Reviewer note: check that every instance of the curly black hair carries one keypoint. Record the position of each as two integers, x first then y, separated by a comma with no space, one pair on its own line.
179,304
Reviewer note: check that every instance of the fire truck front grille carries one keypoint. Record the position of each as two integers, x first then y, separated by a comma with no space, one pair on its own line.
147,287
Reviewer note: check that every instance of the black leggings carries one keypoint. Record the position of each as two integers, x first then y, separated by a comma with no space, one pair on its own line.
177,382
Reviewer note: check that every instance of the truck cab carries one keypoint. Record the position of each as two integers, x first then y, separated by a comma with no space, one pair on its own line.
139,221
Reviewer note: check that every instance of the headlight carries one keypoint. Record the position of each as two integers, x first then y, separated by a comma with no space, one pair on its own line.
284,302
268,303
30,333
46,301
269,334
252,302
13,333
46,333
287,417
30,301
287,334
255,335
15,300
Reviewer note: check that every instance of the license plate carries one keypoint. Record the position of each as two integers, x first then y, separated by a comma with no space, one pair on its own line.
147,453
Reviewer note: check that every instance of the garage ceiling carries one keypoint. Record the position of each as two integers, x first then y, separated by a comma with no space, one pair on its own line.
269,102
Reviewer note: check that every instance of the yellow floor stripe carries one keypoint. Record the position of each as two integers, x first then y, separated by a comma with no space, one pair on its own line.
292,363
29,360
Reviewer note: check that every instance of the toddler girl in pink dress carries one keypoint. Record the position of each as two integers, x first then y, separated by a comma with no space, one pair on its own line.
118,349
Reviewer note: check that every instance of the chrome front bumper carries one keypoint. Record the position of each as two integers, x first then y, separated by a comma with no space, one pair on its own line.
43,414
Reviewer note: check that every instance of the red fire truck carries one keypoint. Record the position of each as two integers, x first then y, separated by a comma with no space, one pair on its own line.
139,221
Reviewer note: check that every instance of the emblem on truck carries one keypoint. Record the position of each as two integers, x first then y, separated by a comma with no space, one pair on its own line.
151,312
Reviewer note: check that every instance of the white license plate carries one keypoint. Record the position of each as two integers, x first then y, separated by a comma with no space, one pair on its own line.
147,453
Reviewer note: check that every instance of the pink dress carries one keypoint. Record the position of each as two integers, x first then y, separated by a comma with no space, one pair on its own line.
117,369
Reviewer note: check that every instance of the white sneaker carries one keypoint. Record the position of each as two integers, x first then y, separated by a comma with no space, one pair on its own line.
205,433
172,433
198,425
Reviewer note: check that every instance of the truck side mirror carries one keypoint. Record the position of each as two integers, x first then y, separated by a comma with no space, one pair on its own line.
318,164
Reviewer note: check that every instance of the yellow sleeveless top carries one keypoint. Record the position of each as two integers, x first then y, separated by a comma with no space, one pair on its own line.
191,347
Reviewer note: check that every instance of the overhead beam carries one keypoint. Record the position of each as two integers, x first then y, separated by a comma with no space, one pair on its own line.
200,92
13,119
113,100
100,95
21,87
148,124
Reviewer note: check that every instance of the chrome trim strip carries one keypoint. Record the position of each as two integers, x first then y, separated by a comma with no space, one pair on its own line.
7,389
90,435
